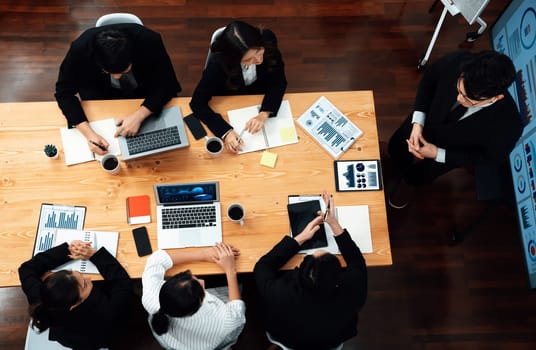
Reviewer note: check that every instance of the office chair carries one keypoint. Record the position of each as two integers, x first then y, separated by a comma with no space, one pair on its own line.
119,17
216,33
276,344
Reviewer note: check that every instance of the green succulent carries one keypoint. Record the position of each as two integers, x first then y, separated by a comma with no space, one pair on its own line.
51,150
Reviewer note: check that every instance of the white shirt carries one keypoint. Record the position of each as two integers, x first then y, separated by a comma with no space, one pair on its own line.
215,325
249,73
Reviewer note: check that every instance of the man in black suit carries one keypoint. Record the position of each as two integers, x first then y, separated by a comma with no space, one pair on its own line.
115,62
463,116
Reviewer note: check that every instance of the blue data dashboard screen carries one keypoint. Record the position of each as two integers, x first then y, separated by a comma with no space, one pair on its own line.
514,34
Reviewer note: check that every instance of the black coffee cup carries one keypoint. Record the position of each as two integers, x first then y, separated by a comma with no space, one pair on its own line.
110,163
214,146
236,213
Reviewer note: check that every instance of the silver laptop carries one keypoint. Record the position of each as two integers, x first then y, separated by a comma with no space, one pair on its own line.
158,133
188,214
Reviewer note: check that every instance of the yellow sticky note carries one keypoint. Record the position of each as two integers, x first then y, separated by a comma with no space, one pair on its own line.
268,159
287,134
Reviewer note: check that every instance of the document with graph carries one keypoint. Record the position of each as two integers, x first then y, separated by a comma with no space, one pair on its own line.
329,127
277,131
56,216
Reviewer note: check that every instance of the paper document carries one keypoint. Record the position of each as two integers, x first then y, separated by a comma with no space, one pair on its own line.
277,131
329,127
99,239
76,147
355,218
52,217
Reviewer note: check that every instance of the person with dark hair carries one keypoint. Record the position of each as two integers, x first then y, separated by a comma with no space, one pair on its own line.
182,313
463,116
119,61
79,313
244,60
316,305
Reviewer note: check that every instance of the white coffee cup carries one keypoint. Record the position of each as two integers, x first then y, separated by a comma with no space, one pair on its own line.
214,146
110,163
236,213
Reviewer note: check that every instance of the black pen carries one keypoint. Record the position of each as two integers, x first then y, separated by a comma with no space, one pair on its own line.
327,211
98,145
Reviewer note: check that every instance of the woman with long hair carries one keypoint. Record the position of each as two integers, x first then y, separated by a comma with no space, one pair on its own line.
243,60
79,314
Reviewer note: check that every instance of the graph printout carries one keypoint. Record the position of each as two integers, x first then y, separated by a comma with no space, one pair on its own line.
514,34
329,127
54,216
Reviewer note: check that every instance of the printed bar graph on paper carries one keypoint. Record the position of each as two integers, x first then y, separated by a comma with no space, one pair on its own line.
52,217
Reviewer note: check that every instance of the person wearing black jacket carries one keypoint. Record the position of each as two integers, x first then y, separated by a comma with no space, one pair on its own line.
463,116
316,305
79,313
243,60
118,61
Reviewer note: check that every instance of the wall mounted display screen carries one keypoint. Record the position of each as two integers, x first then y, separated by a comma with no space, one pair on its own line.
514,34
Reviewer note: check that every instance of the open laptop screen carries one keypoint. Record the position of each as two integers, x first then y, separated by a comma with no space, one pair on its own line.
187,192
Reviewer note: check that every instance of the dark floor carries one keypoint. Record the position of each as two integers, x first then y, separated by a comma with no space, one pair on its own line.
435,296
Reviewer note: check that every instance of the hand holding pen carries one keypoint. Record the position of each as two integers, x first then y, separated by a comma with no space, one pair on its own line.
98,145
329,215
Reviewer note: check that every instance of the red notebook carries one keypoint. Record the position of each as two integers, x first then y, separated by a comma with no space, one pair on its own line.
138,210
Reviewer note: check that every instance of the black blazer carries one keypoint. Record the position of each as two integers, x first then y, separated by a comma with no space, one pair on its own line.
304,321
99,319
482,140
80,74
271,82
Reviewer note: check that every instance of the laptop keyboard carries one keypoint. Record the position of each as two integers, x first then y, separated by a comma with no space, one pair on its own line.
153,140
198,216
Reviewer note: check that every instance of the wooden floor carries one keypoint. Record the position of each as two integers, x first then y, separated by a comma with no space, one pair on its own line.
435,296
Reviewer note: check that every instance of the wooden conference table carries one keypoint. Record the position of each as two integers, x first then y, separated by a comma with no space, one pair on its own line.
29,178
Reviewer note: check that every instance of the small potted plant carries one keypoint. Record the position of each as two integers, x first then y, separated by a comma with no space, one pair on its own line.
51,151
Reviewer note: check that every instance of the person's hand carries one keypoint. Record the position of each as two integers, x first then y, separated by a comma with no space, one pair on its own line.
309,230
130,124
416,133
330,218
232,142
224,256
81,250
255,124
426,149
98,144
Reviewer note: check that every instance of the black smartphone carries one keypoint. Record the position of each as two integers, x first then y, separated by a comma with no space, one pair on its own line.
141,238
195,126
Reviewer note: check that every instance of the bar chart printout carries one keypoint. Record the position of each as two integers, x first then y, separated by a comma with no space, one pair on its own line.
54,216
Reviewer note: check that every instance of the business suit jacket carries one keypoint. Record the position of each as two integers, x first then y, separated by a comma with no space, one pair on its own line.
80,74
271,82
300,320
99,319
483,140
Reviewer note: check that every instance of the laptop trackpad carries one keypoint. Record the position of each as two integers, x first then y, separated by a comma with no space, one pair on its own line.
190,237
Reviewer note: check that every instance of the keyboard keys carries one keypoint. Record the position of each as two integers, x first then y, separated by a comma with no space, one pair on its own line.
153,140
198,216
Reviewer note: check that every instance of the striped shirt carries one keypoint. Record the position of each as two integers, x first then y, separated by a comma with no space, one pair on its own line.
216,325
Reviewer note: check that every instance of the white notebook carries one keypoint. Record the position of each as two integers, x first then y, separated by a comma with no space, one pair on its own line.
277,131
75,145
108,240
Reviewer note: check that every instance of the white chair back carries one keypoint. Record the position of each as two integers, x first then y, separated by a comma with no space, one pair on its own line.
115,18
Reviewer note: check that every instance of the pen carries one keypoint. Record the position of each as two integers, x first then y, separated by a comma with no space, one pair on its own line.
327,211
240,136
98,145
